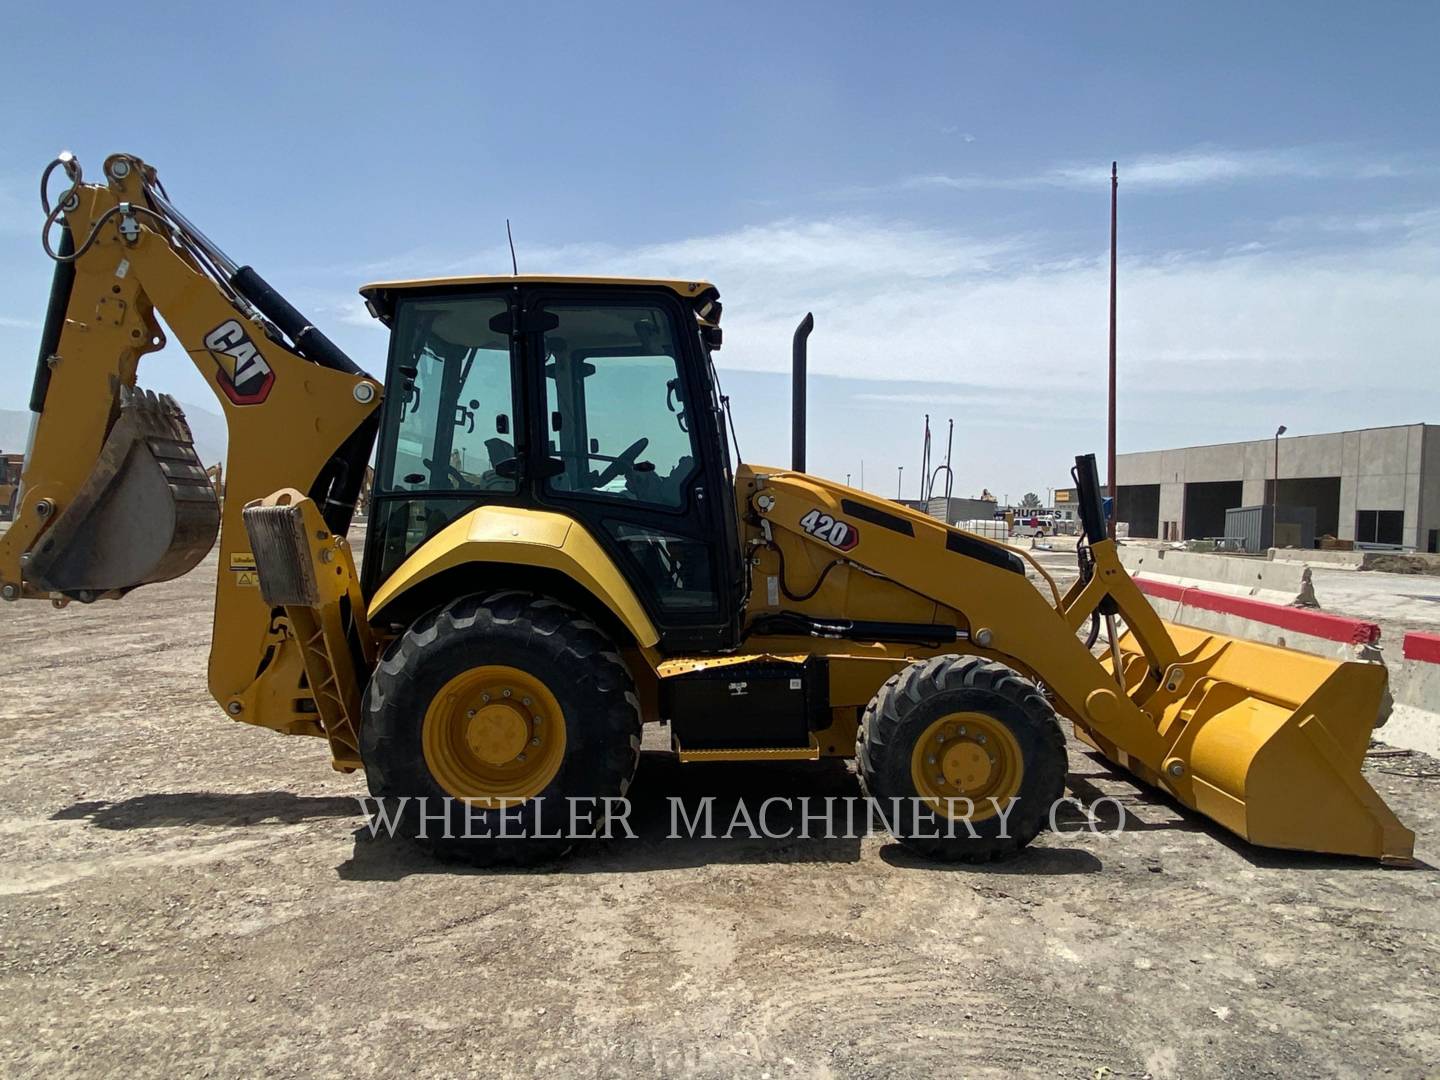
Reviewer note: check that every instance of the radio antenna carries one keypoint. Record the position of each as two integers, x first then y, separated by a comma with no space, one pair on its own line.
514,266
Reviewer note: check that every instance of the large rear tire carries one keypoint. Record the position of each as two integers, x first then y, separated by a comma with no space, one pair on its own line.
944,747
513,717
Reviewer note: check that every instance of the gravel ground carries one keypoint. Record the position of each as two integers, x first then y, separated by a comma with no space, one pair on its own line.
186,895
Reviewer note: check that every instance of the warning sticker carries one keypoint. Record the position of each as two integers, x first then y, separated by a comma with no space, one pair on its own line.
242,565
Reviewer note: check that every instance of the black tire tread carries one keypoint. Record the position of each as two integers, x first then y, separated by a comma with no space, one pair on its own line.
551,629
884,732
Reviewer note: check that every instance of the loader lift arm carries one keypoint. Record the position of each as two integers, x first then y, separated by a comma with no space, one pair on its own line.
1266,741
112,495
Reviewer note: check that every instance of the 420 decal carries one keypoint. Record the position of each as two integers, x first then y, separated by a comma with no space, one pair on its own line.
836,533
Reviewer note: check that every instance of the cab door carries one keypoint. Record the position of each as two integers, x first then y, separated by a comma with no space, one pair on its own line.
448,438
629,446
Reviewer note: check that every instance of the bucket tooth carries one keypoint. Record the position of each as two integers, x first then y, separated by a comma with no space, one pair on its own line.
146,513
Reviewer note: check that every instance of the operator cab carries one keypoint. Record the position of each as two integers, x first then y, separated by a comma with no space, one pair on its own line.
593,398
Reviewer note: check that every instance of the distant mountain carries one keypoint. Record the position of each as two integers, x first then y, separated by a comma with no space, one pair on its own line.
207,427
211,435
14,430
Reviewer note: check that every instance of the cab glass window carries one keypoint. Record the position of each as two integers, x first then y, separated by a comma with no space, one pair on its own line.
618,423
677,568
450,414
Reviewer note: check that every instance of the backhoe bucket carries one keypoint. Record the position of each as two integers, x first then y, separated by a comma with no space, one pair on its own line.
1269,743
146,513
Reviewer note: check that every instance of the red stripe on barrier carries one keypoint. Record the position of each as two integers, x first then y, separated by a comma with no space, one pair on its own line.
1424,647
1301,620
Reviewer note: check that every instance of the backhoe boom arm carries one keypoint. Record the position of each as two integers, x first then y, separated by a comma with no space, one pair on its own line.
112,495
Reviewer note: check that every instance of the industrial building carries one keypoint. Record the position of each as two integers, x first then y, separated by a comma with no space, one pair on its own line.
1373,486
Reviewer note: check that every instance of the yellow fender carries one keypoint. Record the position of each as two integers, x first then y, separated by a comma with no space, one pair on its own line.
505,534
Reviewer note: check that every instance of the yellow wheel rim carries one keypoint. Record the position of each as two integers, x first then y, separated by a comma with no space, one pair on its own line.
494,735
967,755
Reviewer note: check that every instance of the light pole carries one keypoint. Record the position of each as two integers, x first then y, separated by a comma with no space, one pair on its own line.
1275,495
900,483
1110,448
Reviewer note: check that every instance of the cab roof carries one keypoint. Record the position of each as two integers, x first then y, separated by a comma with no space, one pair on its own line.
684,288
380,295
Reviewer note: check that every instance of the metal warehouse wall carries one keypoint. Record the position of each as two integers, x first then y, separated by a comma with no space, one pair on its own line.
1340,474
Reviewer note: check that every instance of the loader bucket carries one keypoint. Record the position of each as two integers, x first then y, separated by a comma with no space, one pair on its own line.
1269,743
146,513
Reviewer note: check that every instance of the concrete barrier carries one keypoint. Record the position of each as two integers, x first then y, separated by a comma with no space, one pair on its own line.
1410,718
1329,560
1238,575
1305,629
1390,562
1415,684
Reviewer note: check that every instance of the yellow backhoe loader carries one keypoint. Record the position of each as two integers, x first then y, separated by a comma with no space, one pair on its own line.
559,550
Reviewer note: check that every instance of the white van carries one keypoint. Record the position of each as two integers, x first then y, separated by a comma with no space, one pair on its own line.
1034,525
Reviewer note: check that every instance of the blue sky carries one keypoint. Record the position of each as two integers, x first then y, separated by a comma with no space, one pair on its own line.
929,179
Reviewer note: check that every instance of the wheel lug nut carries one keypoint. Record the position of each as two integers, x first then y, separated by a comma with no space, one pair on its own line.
525,702
535,741
980,739
520,757
931,759
469,714
507,693
485,697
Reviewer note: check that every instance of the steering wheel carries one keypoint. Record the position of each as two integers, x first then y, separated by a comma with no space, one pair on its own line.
456,477
625,460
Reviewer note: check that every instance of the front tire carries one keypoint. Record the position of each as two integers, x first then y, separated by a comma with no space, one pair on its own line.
947,743
512,717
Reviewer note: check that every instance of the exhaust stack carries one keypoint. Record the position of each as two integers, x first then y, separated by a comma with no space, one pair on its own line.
797,391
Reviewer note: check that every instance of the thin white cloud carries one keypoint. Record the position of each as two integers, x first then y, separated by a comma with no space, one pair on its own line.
1188,168
1197,167
11,322
1412,222
895,301
1012,342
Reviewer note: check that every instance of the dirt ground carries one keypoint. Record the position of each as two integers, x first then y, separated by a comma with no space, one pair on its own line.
184,895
